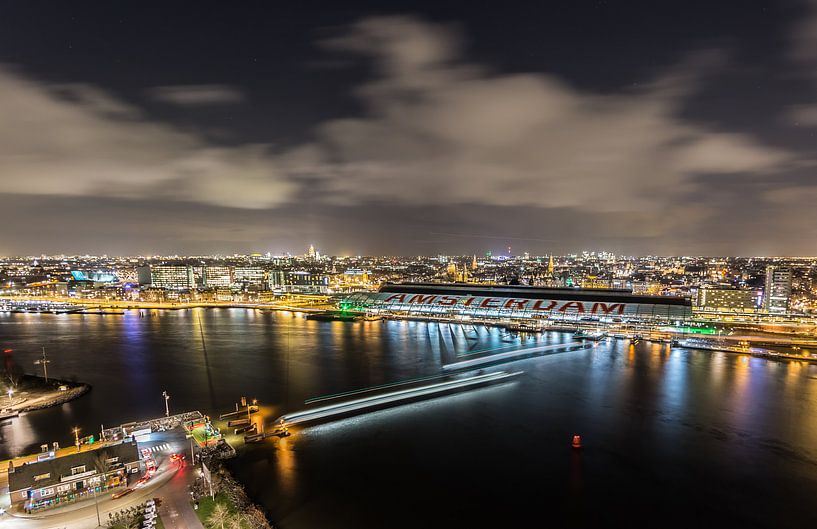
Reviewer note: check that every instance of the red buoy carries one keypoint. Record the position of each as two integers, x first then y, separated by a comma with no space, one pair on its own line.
577,441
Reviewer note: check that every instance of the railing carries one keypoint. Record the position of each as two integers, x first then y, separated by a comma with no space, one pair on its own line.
155,425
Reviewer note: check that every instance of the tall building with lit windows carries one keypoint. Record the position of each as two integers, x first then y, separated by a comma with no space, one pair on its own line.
217,276
727,299
249,277
175,277
777,292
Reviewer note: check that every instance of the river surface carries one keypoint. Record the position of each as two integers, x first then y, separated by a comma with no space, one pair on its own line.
671,438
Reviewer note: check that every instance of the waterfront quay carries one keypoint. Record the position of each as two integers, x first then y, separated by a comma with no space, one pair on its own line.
689,408
68,305
88,484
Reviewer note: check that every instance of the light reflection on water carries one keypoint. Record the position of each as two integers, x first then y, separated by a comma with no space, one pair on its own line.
653,419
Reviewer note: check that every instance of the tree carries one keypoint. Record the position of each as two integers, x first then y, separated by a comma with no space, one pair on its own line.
219,516
235,522
13,373
134,522
255,519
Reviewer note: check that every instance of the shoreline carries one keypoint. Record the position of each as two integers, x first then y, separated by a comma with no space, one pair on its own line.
226,484
46,394
91,306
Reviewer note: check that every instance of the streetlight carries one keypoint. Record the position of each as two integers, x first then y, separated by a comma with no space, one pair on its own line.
11,392
96,502
76,438
167,407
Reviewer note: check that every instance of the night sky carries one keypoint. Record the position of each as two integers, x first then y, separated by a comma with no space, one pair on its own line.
402,128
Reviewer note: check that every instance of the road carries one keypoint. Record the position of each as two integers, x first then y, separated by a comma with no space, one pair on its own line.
170,483
294,302
175,511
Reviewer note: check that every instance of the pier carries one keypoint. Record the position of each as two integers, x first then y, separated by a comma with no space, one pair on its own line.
760,352
158,424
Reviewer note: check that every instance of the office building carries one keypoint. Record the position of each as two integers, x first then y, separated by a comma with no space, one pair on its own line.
249,277
174,277
777,292
305,283
217,276
727,299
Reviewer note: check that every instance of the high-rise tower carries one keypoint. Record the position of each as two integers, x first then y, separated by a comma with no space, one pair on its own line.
777,292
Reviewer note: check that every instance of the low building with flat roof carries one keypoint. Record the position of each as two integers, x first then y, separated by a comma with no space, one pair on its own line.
59,480
517,302
728,299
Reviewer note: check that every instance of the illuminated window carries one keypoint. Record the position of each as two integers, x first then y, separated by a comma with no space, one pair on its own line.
42,476
77,470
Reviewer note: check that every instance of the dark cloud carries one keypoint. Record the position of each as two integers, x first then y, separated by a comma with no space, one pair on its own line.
443,154
126,226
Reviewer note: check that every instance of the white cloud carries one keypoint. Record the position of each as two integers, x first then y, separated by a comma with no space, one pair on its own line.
196,95
804,36
77,140
439,130
805,115
436,130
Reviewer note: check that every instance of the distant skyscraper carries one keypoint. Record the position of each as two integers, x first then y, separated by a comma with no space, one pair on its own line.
311,253
777,292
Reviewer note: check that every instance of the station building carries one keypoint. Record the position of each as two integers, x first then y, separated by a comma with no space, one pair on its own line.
517,302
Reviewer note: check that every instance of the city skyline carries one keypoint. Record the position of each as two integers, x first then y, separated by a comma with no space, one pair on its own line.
411,129
408,264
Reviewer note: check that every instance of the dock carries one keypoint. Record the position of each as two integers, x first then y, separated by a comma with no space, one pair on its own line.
759,352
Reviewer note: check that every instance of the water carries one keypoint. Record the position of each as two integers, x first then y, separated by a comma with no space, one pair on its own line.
671,437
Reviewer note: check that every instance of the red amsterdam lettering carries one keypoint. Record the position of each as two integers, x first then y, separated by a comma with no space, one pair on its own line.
447,300
467,301
399,297
577,304
419,298
607,309
538,305
486,303
516,303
